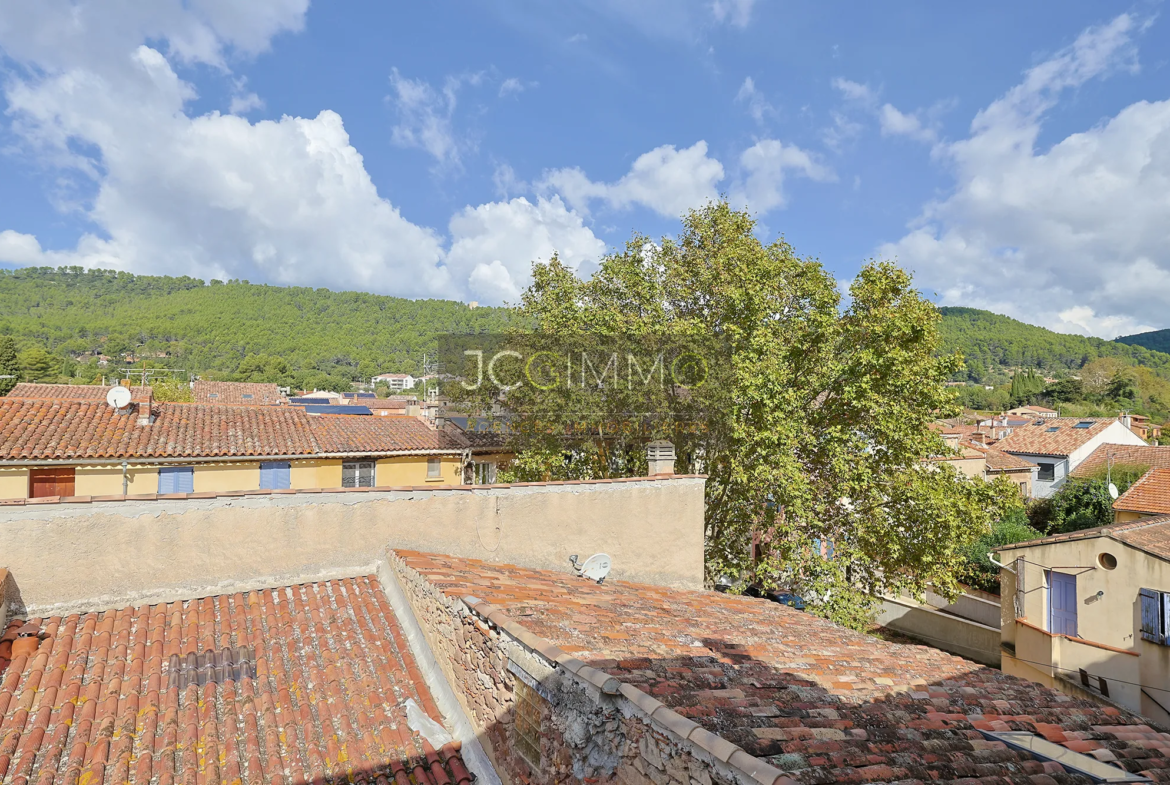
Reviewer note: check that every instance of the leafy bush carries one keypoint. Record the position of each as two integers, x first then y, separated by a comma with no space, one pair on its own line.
980,572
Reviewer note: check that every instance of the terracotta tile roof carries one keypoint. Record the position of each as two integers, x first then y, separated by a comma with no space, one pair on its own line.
56,430
238,393
33,430
1041,439
1000,461
1131,454
106,699
820,702
1151,535
1149,495
348,434
72,392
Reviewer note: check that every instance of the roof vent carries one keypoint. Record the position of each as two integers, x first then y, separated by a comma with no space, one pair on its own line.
211,666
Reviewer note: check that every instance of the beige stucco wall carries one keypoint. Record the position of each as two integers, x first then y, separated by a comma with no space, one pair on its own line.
307,474
1113,619
13,483
109,554
1124,516
107,480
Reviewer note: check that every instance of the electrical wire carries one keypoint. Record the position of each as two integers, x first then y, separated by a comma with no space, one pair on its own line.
1041,664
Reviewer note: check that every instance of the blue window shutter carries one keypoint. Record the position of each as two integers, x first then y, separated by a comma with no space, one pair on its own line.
275,475
176,479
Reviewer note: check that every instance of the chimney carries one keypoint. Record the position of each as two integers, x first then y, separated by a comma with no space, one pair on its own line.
660,457
440,420
1126,420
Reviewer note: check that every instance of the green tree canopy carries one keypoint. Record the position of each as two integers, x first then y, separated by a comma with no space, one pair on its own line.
9,364
816,436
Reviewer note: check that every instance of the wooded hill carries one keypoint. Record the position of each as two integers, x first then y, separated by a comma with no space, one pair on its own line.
320,338
292,335
1158,340
995,346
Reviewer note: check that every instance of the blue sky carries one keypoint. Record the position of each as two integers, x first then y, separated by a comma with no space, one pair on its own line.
1015,156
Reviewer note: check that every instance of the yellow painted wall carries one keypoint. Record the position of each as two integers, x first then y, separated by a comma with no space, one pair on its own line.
328,475
1124,516
412,470
107,480
304,474
13,483
214,477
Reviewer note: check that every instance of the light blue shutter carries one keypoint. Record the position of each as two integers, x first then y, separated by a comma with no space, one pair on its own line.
176,479
275,475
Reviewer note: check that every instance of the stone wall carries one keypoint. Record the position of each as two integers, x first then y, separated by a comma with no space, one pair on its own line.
594,728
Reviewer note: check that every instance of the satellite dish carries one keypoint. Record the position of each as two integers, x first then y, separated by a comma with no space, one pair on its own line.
118,397
596,567
1113,490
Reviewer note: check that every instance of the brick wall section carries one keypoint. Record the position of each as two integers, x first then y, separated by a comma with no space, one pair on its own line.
595,729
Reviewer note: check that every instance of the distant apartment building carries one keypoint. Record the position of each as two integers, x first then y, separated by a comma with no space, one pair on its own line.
396,381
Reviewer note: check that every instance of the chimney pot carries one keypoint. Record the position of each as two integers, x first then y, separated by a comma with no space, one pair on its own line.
660,457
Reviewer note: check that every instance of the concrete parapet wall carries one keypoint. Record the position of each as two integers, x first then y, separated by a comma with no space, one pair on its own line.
975,641
65,557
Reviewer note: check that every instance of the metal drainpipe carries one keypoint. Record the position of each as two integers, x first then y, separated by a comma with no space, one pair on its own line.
125,478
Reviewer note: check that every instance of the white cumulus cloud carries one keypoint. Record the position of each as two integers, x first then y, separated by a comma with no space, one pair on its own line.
493,245
765,166
286,201
1076,236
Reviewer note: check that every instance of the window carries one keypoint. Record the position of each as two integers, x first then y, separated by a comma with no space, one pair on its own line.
247,396
434,468
1024,489
1047,471
529,720
357,474
484,473
176,479
275,475
1053,430
1086,424
1155,616
51,481
1107,561
213,395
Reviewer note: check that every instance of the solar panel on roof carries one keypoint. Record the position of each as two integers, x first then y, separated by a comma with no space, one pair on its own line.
339,409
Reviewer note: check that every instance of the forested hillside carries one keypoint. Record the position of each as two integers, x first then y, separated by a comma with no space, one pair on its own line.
237,330
995,346
1158,340
1011,363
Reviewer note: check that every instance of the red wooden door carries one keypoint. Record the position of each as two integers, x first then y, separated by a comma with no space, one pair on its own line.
50,481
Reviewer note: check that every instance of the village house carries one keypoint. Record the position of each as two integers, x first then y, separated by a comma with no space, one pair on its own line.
238,393
86,448
1143,456
229,651
1146,498
972,454
1088,613
1058,446
1032,412
1142,426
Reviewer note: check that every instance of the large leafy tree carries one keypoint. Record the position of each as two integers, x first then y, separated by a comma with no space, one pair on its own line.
815,430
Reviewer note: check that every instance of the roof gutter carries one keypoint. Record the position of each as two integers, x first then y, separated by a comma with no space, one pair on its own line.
119,459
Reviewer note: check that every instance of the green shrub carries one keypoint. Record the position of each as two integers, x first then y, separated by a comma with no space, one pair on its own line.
980,572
